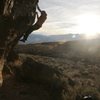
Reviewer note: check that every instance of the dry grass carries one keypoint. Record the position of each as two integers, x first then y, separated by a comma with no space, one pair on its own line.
53,71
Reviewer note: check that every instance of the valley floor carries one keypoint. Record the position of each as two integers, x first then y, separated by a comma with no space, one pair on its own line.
42,77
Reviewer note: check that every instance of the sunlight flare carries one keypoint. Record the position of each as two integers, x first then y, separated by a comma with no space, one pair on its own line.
89,24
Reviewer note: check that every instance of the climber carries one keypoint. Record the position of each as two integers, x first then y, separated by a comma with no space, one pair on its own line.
37,25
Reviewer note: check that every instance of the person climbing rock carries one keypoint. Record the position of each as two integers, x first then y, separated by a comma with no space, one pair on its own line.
37,25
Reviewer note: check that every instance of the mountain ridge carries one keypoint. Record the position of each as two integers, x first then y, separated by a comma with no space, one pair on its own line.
38,38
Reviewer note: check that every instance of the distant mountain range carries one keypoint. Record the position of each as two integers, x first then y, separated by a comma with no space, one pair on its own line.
36,38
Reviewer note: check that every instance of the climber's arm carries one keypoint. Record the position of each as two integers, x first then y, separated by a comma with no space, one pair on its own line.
39,8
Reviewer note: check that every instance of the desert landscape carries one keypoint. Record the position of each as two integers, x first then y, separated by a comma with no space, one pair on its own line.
60,61
53,71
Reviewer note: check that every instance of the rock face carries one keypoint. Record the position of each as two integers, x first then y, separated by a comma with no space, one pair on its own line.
15,18
29,71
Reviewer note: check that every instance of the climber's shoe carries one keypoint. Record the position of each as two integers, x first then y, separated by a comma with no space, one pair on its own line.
22,40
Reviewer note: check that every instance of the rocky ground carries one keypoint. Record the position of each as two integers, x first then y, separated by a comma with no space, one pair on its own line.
53,71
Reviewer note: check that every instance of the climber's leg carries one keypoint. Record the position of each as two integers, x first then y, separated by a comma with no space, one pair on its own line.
28,32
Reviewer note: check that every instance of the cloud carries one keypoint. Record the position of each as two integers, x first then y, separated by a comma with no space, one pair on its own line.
62,14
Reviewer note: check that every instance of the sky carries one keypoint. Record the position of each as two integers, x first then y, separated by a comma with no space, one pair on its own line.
70,16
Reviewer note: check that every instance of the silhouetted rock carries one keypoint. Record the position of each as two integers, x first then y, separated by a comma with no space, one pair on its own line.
15,18
31,71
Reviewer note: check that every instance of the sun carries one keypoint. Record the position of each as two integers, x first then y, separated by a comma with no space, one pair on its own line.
89,24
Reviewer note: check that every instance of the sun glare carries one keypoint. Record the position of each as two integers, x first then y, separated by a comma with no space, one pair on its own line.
89,24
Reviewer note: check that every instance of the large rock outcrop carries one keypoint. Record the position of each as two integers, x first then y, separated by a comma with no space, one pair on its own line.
15,18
